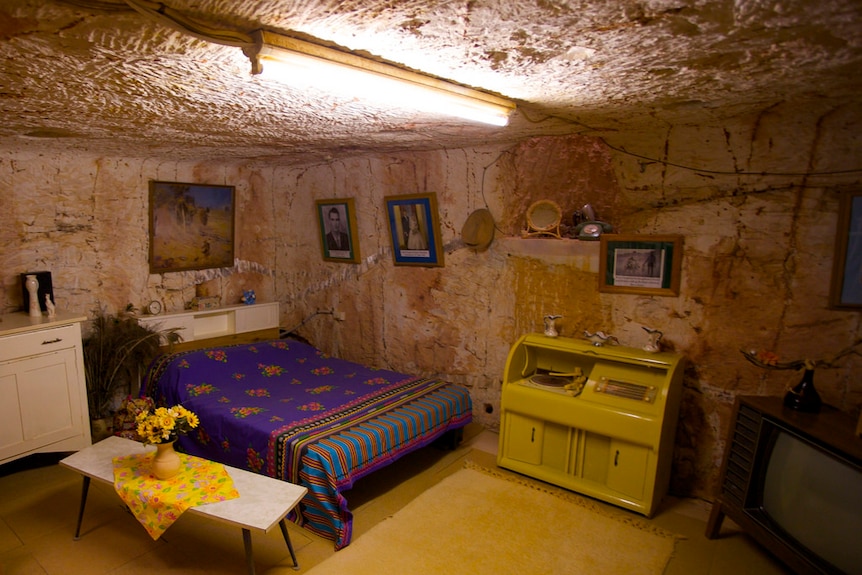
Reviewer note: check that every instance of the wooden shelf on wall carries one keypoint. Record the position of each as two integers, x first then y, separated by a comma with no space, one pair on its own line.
583,255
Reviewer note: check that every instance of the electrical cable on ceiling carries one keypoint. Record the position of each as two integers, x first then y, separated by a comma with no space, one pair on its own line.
171,17
99,6
588,128
177,20
729,172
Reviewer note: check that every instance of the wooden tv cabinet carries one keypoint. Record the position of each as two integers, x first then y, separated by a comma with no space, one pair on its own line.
831,430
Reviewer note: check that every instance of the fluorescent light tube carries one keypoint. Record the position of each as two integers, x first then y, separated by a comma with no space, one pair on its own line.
304,64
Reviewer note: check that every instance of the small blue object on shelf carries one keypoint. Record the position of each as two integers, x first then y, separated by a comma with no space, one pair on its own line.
248,297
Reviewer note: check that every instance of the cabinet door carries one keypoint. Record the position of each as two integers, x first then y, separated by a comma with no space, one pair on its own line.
617,465
627,468
40,401
257,317
523,438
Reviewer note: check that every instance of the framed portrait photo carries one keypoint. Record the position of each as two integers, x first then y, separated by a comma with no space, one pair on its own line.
415,230
640,264
191,226
339,237
846,288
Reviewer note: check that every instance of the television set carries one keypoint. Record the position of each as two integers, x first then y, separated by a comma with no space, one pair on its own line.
793,481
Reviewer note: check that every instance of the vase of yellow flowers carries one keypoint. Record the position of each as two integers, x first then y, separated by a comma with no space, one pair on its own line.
161,428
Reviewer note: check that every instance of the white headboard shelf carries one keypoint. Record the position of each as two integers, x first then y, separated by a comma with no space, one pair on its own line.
219,326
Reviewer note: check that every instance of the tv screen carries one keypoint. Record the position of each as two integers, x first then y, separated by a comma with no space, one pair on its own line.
815,498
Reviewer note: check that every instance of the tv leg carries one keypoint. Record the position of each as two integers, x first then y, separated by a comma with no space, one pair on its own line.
716,517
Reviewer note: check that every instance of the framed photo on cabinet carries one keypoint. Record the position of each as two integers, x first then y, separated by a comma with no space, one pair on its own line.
640,264
415,230
191,226
339,237
846,289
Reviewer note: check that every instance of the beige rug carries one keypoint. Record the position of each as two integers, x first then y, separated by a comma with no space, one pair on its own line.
488,521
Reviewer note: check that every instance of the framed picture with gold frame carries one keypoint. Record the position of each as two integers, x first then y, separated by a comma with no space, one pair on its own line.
339,236
191,226
846,289
640,264
415,230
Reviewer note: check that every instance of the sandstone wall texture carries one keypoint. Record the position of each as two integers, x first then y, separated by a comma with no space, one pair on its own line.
756,202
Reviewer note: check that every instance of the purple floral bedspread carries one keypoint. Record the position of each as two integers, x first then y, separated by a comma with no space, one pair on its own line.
263,405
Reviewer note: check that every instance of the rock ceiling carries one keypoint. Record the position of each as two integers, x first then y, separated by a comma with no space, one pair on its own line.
107,76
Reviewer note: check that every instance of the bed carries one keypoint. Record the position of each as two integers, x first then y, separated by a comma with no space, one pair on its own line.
285,409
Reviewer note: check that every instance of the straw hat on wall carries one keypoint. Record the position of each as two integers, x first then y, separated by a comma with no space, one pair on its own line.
478,230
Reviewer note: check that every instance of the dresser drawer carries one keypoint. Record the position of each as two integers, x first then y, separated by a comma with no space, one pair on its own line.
39,341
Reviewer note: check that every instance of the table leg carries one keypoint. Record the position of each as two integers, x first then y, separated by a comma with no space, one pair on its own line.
249,555
84,489
283,526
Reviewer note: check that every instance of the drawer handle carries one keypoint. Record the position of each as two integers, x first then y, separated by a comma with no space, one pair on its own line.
617,458
50,341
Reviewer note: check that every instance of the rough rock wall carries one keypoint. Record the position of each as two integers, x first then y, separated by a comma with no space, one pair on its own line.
757,203
757,254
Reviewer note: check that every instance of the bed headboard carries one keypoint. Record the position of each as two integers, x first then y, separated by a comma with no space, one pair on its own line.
219,326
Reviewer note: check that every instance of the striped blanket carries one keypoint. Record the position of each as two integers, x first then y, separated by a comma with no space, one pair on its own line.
285,409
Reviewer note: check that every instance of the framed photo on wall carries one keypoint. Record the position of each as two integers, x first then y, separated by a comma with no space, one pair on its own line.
640,264
846,289
415,230
339,237
191,226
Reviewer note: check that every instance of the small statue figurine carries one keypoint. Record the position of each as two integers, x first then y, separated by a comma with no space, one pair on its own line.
654,338
248,297
49,305
550,328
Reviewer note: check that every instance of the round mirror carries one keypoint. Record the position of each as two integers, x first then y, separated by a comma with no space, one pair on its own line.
544,217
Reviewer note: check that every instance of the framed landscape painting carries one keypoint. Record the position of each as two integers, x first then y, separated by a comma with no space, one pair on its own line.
191,226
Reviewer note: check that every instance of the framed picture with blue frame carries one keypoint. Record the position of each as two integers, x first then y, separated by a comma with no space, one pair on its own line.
846,289
339,236
415,229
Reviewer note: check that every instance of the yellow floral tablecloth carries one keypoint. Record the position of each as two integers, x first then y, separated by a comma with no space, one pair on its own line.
157,503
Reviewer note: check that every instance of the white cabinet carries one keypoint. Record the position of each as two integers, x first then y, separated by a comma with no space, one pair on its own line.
43,392
220,325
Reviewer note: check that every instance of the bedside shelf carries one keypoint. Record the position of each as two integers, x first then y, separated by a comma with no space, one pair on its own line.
220,325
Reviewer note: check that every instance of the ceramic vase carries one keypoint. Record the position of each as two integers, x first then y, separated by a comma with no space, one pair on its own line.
166,461
804,397
32,285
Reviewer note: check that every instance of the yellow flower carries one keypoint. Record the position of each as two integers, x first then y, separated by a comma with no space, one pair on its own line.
164,424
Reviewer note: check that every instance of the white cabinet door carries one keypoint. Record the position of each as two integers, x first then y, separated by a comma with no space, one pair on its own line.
256,317
41,402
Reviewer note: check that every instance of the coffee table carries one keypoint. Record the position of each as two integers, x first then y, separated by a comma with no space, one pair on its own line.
263,501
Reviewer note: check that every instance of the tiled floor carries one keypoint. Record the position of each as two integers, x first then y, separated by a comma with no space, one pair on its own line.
39,504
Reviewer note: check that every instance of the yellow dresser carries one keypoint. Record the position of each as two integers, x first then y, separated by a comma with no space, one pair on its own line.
596,420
